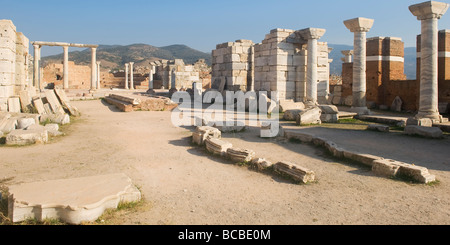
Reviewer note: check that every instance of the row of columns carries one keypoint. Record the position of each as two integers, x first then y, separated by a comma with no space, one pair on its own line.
95,66
428,13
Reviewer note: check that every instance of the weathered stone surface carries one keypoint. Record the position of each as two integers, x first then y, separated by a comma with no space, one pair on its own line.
203,132
26,137
329,109
286,105
66,103
56,118
309,116
53,101
429,132
39,106
378,127
291,115
25,101
392,168
217,146
4,117
296,172
14,104
240,155
73,201
9,125
397,104
261,163
424,122
23,123
329,118
125,98
123,106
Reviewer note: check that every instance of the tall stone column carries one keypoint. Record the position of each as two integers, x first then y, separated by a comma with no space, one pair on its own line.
94,69
131,76
150,77
37,59
359,26
66,67
348,55
98,75
312,35
126,76
429,13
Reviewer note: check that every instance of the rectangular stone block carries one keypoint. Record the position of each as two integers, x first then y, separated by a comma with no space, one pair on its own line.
295,171
53,101
14,104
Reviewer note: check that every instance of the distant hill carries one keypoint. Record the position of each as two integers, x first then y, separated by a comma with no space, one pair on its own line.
336,55
115,56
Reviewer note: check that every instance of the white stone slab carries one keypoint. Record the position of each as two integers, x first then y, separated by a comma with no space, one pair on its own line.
70,200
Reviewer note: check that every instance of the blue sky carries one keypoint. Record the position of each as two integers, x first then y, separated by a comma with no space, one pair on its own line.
202,24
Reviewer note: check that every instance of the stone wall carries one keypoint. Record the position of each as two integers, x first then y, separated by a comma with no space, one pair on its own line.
175,74
14,60
385,73
231,65
279,64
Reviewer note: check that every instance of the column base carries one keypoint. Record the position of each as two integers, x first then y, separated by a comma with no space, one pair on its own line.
151,91
361,110
435,117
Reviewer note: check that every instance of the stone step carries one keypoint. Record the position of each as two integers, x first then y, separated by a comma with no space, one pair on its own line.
123,106
347,115
72,201
126,98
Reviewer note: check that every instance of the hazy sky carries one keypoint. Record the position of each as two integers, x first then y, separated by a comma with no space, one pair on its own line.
201,24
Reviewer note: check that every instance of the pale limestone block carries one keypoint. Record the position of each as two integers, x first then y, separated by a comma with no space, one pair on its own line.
72,201
295,171
14,104
429,132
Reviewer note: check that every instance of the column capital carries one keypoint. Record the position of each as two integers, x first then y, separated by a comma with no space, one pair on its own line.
98,62
429,10
126,64
359,24
347,52
311,33
131,63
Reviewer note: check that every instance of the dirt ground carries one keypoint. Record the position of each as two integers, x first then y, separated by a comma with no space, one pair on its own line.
182,184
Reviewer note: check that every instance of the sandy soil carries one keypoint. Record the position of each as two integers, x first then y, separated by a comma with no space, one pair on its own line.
182,184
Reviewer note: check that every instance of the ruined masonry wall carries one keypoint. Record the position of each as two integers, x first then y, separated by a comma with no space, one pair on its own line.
231,65
14,59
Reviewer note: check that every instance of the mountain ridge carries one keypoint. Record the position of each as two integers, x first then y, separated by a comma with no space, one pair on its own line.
115,56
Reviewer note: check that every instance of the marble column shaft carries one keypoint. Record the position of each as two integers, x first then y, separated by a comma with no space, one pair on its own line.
94,68
66,67
37,58
126,76
312,35
150,77
98,75
359,26
429,13
131,75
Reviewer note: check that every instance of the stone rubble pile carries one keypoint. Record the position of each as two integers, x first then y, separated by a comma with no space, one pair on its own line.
211,138
141,102
21,124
